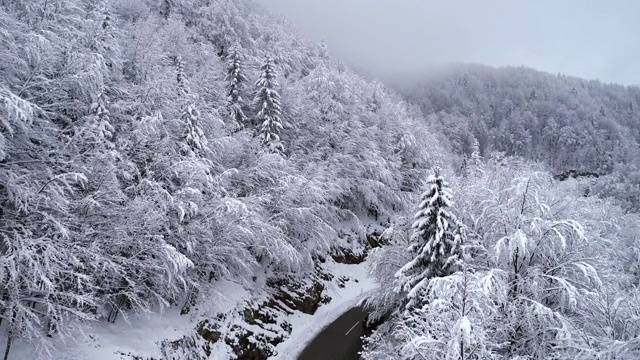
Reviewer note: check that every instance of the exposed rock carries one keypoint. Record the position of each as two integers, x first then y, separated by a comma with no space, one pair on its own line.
575,174
289,295
342,280
247,345
343,256
297,296
189,347
348,256
262,326
375,240
208,331
134,357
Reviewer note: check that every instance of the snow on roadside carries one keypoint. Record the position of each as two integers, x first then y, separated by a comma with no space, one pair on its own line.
306,327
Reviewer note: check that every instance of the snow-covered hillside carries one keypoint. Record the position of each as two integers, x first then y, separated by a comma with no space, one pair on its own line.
152,152
171,335
194,179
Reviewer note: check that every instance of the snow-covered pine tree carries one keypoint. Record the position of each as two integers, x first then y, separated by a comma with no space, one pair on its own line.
181,77
436,241
464,167
236,78
323,52
102,35
472,164
476,159
99,125
194,136
267,102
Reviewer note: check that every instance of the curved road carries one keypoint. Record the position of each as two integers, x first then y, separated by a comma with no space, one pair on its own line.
340,340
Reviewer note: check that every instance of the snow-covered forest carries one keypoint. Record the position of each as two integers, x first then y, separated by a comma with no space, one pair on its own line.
530,250
564,122
154,151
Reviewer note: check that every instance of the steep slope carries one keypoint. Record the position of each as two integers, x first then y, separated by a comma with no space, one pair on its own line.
127,186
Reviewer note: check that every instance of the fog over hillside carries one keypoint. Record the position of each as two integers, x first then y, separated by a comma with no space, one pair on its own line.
592,39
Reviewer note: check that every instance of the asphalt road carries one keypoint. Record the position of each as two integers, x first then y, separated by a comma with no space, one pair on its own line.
340,340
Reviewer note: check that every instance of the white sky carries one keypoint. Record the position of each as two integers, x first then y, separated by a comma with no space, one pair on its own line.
594,39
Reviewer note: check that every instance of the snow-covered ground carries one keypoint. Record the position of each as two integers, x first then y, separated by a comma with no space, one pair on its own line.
307,327
106,341
142,334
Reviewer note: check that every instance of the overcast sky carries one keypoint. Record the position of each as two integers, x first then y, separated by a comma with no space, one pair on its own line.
587,38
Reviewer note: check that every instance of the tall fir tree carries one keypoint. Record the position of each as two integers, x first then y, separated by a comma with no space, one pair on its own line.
181,77
190,116
194,136
436,242
236,79
267,102
99,123
323,52
464,167
475,159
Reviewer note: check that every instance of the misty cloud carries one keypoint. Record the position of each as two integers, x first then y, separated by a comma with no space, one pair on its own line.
586,38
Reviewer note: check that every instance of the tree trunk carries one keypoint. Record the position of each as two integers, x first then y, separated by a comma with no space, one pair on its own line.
5,297
190,300
113,314
6,350
52,326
